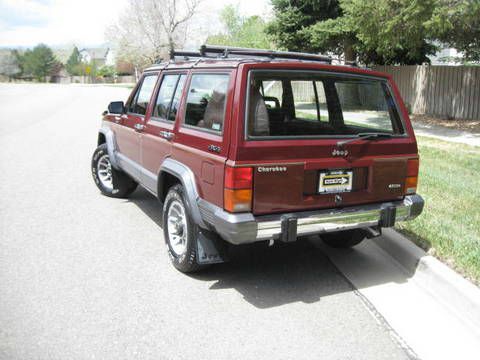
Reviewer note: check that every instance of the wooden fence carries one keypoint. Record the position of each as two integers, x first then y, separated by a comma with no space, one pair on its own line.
89,80
451,92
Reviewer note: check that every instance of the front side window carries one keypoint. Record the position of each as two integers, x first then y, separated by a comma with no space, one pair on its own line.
168,97
305,104
139,103
164,97
172,114
206,101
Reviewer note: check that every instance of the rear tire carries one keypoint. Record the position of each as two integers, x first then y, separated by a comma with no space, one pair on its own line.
110,181
180,231
344,239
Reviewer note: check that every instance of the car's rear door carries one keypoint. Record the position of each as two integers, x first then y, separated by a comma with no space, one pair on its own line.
158,134
128,128
202,138
298,163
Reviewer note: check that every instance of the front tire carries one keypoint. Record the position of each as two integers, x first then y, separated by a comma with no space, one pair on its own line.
110,181
180,231
344,239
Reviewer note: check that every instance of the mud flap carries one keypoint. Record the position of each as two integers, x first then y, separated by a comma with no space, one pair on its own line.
115,181
210,249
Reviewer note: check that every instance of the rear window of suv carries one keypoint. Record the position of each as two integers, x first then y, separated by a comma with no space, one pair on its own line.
318,104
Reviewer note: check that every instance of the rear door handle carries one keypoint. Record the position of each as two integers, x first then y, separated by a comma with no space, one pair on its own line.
139,127
214,148
167,135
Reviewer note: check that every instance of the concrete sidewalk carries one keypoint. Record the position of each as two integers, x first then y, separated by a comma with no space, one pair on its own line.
443,133
433,309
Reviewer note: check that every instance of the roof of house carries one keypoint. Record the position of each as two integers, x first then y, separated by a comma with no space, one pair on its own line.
96,53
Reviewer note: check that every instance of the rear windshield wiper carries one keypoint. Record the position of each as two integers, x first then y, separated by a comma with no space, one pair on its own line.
365,136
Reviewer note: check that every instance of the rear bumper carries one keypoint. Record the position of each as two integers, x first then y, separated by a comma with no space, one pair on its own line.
247,228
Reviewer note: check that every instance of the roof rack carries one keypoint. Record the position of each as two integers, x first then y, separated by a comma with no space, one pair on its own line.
215,52
225,51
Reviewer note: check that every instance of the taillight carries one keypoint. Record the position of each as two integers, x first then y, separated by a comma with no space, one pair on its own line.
412,176
237,195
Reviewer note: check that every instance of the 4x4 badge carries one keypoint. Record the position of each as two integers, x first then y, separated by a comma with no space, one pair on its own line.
337,152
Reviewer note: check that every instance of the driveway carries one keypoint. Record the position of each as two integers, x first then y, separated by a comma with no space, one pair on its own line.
85,276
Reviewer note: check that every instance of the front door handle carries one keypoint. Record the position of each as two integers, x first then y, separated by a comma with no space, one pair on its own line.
167,135
139,127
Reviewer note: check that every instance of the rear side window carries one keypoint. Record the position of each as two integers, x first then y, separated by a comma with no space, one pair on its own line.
307,103
206,101
140,101
309,100
168,97
364,102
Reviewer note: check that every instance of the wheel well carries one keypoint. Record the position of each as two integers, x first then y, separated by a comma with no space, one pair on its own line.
101,139
165,182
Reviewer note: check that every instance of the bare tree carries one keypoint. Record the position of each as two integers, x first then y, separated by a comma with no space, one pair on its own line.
150,29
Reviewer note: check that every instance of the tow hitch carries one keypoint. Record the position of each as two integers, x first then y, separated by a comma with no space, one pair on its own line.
387,216
289,228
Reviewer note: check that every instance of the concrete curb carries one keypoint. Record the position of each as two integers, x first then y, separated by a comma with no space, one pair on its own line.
457,294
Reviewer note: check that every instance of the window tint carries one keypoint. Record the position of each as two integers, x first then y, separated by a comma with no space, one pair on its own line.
141,99
206,101
164,98
172,114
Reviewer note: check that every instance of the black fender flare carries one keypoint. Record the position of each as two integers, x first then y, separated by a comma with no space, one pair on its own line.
111,145
187,178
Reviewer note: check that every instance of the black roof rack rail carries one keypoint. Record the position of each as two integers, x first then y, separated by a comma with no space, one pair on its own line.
225,51
186,54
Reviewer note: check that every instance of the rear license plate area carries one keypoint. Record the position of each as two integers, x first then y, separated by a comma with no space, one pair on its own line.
334,181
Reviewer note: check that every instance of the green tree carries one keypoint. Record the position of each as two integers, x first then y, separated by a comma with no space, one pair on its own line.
390,32
39,62
241,31
74,63
292,26
106,71
457,24
379,31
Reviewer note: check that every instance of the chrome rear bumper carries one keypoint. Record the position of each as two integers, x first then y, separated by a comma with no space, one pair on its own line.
247,228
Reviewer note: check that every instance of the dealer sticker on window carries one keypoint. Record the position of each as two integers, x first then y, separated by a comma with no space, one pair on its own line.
335,181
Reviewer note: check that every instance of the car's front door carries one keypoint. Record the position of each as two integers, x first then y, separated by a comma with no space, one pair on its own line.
158,134
129,129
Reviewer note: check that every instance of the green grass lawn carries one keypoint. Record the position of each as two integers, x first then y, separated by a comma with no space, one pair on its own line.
449,226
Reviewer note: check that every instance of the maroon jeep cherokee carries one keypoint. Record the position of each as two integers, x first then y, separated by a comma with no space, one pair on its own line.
245,145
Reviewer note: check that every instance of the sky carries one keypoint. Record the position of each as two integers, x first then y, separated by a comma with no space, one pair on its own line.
25,23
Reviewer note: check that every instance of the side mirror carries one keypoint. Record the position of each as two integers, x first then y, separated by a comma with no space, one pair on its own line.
116,107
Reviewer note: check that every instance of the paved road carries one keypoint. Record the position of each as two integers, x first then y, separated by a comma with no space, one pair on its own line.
84,276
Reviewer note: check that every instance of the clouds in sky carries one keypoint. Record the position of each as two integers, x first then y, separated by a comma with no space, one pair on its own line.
58,22
29,22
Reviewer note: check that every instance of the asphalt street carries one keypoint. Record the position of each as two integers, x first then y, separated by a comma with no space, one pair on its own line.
83,276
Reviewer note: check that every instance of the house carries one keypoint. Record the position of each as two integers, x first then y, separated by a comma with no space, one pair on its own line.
446,56
101,56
